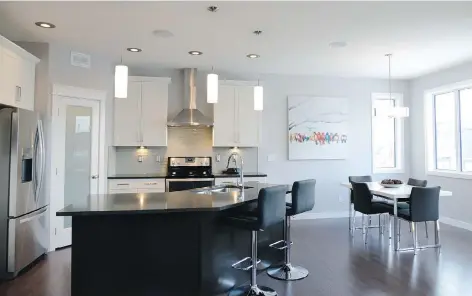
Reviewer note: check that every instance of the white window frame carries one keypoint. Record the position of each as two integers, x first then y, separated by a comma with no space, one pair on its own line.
430,135
399,136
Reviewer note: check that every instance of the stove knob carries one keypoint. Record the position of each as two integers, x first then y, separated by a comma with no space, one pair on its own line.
204,173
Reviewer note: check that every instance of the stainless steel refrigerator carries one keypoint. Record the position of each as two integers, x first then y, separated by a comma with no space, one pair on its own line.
24,234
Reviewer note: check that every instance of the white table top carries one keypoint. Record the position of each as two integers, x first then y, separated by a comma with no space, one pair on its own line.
403,191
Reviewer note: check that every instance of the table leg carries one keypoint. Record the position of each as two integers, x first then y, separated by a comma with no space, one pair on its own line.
395,225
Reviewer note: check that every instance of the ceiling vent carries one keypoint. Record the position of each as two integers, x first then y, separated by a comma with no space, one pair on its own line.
78,59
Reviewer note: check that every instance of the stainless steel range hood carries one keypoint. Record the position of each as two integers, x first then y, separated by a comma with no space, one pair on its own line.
190,116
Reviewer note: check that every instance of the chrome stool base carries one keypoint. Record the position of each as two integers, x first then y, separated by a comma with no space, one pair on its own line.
252,291
288,272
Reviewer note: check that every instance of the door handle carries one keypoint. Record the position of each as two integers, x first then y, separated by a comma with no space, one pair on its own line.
94,177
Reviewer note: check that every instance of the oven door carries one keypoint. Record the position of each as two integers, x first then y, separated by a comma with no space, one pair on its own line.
188,183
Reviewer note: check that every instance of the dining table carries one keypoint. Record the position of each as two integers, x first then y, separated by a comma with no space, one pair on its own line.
396,194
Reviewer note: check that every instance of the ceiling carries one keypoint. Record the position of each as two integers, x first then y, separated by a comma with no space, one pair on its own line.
422,36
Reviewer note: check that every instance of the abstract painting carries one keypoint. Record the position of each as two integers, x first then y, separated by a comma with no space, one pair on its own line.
317,128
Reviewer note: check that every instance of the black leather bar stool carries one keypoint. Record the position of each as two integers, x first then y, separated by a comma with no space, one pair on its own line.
270,211
303,200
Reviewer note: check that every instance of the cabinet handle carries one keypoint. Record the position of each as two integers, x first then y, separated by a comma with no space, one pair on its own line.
122,184
18,93
150,183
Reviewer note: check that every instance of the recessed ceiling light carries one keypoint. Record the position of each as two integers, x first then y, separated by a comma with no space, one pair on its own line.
212,8
195,52
45,25
253,56
134,49
338,44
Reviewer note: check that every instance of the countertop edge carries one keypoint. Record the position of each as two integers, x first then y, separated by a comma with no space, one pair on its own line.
219,175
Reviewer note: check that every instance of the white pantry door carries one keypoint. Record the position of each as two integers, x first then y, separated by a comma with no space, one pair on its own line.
76,124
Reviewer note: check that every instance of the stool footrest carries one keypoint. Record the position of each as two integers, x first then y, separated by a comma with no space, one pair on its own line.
280,245
240,264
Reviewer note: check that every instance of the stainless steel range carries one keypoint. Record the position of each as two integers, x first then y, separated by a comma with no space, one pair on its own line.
184,173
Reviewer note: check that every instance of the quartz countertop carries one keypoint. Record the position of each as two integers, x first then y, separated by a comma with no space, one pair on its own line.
163,175
165,202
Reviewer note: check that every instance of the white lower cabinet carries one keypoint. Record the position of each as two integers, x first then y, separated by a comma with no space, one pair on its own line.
136,185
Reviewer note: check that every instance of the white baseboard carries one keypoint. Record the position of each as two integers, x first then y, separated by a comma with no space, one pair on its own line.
323,215
456,223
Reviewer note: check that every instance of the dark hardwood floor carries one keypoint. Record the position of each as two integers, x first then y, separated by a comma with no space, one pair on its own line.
338,265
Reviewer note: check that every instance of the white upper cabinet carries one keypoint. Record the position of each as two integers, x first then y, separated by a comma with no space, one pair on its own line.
141,118
236,123
17,75
154,97
127,117
224,117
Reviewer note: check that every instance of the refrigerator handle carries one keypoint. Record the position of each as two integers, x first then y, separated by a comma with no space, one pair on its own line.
43,156
35,164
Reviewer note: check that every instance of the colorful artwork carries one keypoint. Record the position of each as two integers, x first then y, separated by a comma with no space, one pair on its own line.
317,127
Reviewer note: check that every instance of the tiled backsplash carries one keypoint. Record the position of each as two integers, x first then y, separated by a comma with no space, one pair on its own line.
181,141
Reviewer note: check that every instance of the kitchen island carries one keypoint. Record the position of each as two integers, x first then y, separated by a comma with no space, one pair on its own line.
166,244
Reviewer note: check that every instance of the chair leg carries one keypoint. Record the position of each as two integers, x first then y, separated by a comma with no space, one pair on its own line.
380,225
437,236
415,236
363,224
367,229
253,288
353,224
389,227
426,228
287,271
350,217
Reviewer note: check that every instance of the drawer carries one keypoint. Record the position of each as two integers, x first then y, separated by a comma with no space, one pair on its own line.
122,184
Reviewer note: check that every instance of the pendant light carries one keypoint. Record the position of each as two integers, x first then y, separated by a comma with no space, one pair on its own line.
212,87
258,97
121,81
397,111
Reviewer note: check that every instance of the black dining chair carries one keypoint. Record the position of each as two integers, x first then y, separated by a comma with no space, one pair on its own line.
424,207
357,179
363,203
405,203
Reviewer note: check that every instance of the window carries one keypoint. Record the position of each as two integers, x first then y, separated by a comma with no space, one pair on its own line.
449,130
445,126
465,103
387,135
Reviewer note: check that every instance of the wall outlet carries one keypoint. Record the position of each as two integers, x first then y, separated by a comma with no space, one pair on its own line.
158,158
271,157
218,157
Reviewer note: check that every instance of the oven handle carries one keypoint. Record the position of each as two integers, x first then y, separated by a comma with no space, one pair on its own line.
189,179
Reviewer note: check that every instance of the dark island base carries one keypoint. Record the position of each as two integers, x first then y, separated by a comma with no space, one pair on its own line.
178,254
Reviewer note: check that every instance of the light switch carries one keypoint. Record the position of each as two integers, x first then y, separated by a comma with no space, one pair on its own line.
158,158
140,158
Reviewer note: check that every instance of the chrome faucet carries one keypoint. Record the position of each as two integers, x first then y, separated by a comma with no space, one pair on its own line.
241,164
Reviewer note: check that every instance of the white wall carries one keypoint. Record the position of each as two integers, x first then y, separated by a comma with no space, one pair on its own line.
458,206
329,173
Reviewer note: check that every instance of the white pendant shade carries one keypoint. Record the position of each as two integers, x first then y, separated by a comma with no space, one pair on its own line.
212,88
258,98
394,112
121,81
